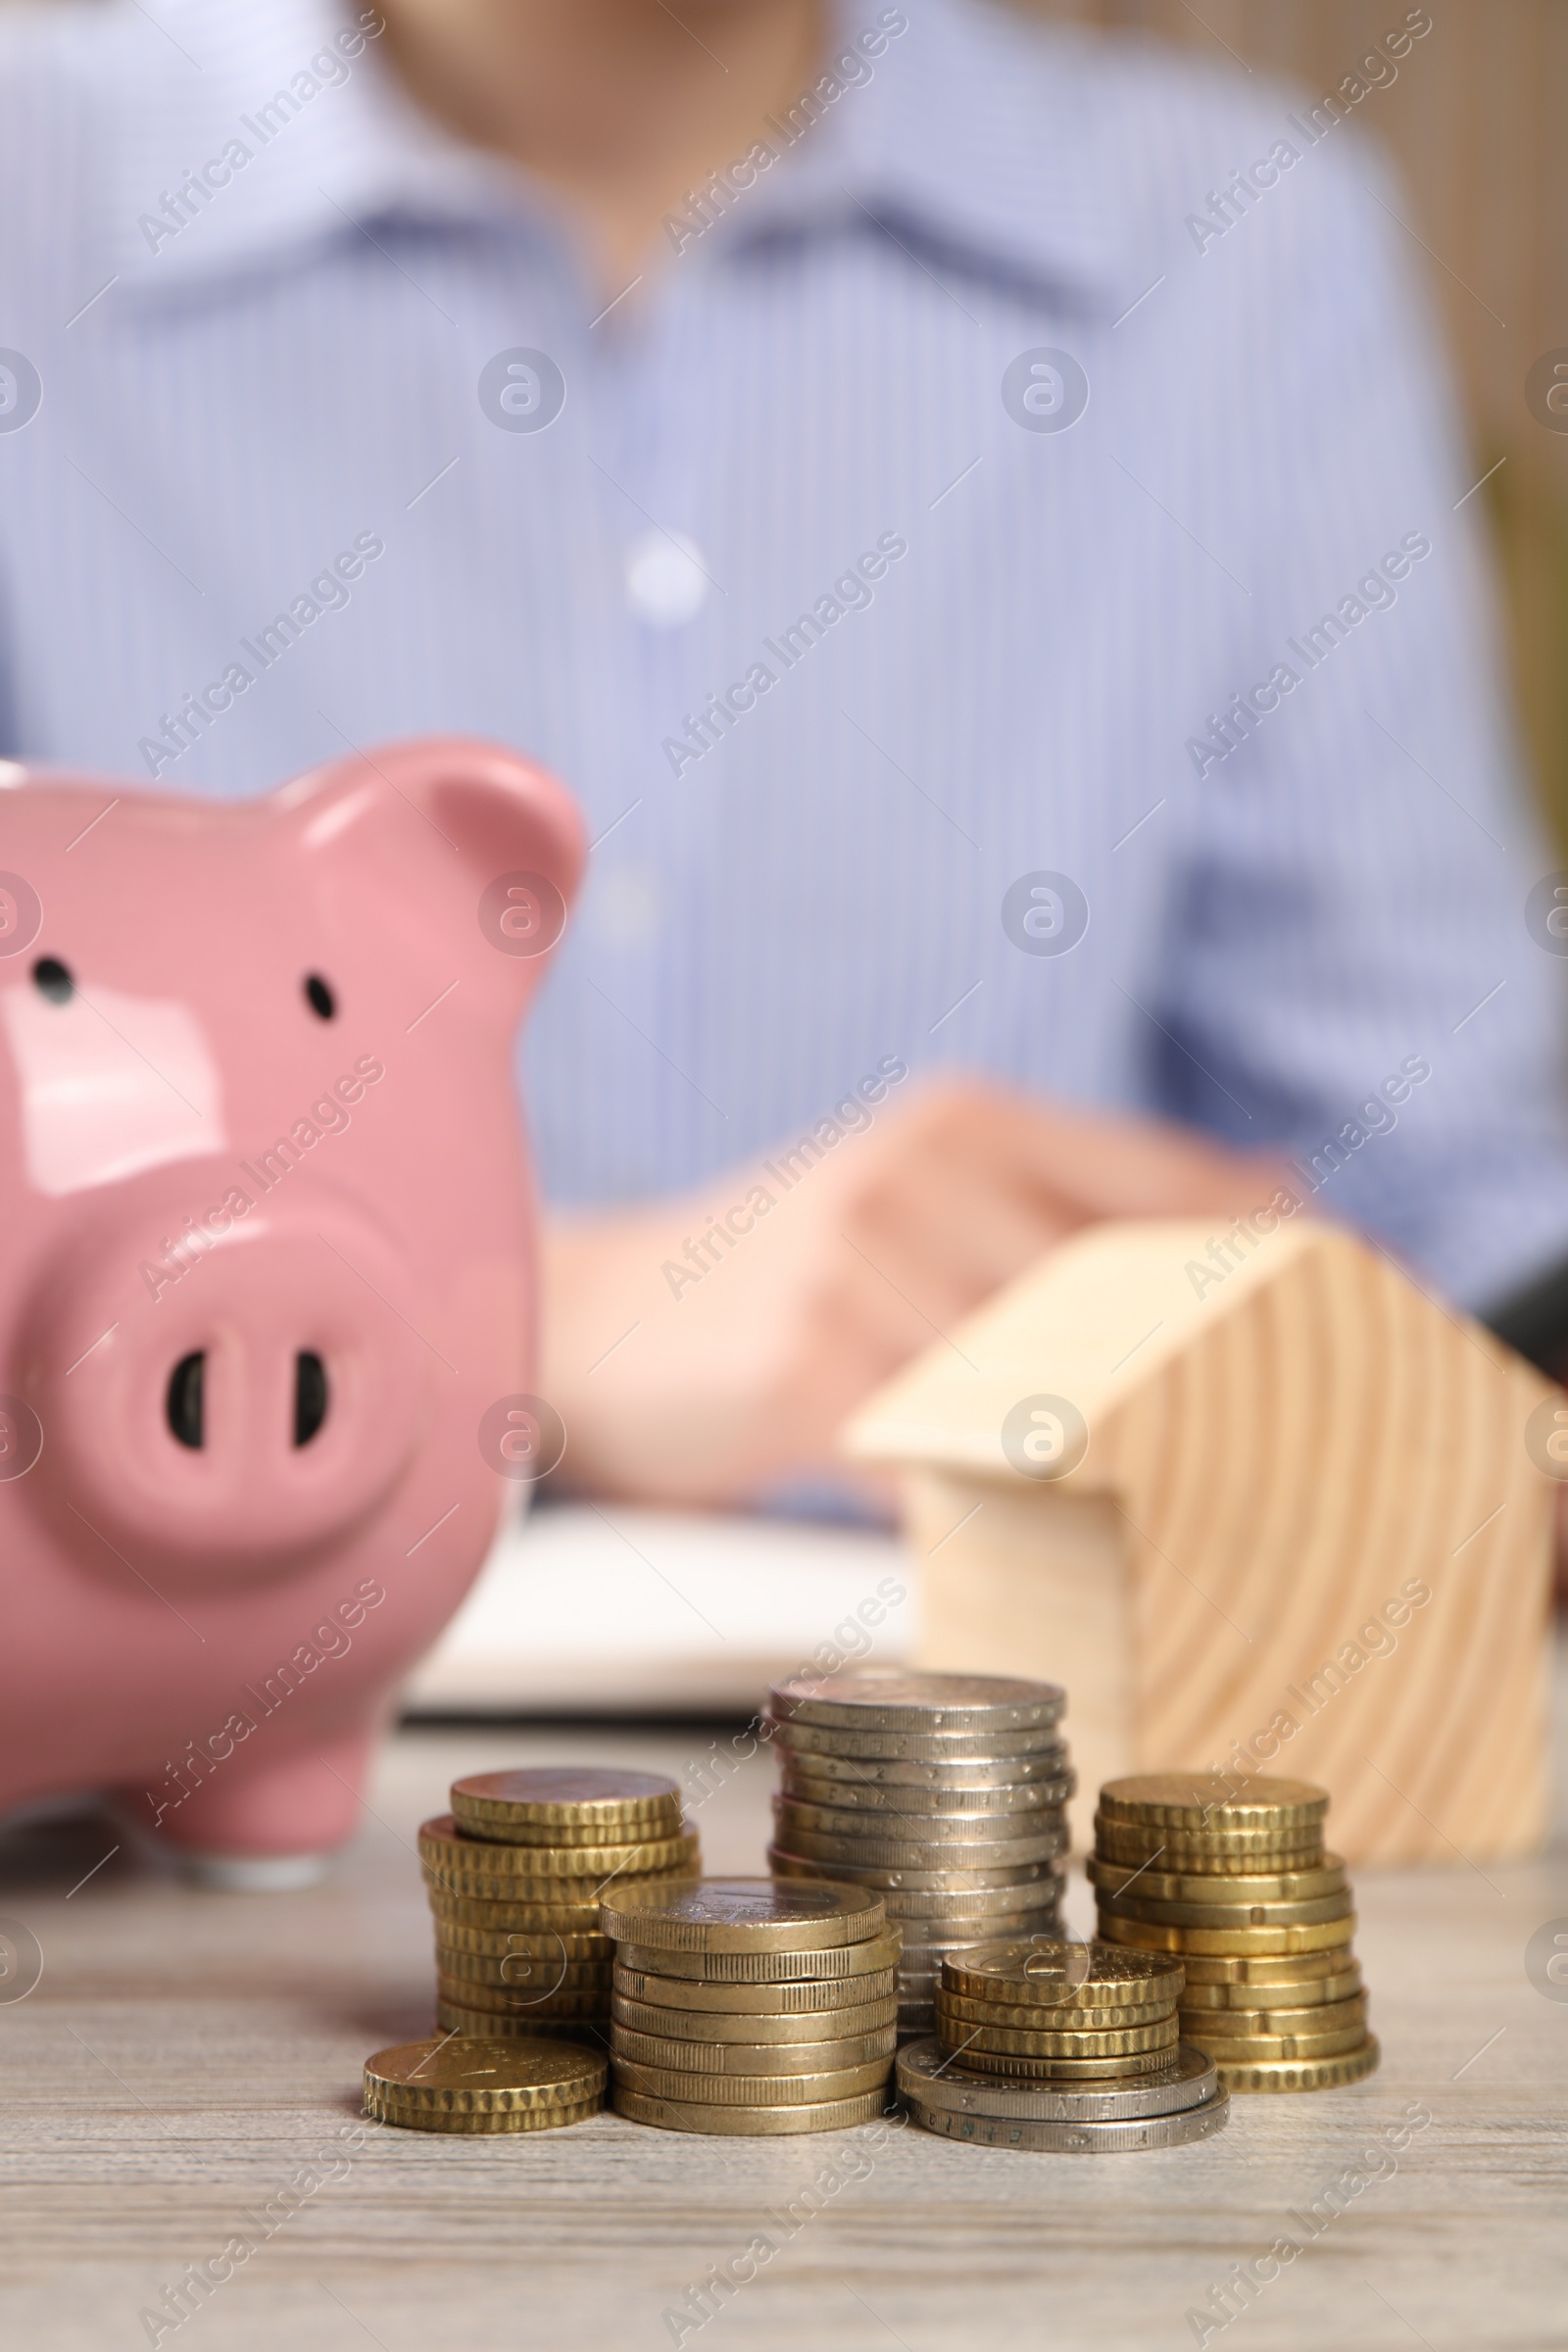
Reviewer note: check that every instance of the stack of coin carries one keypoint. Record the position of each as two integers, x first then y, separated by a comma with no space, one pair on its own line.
747,2007
1232,1876
1074,2046
504,2084
1186,2101
515,1874
945,1792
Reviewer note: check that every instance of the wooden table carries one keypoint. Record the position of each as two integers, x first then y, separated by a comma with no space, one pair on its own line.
186,2053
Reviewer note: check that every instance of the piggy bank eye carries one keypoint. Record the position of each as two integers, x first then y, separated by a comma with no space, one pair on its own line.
52,979
318,996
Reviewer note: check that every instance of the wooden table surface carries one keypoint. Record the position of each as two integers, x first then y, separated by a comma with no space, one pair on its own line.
186,2053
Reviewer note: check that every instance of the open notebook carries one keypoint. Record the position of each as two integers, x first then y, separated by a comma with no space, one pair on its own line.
582,1610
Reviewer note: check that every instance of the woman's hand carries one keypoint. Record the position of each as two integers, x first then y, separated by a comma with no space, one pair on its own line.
705,1349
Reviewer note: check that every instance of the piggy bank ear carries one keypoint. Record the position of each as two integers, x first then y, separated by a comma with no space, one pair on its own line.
451,847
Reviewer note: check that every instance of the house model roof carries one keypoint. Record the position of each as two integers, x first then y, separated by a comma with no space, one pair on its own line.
1110,1318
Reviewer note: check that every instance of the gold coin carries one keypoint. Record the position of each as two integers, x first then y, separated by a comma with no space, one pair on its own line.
388,2107
1230,1943
1060,1975
451,1851
1128,2041
823,1996
568,1804
1205,1801
1037,2017
459,2017
497,1999
1054,2069
1188,1862
507,1918
540,2119
1242,2025
746,2122
524,1972
867,1958
1266,1968
753,2059
486,2076
1245,2048
541,1943
1226,1915
749,1916
1302,2073
1120,1879
563,1840
555,1897
754,2090
1135,1842
1299,1992
755,2025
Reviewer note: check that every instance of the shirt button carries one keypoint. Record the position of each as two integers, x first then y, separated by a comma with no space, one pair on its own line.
665,582
622,908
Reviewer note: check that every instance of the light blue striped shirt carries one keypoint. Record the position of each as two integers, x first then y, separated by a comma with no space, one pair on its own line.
1003,589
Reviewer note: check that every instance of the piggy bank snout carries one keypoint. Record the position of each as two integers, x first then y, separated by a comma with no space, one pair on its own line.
245,1407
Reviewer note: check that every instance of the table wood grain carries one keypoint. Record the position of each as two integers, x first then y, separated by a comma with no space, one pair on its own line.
186,2053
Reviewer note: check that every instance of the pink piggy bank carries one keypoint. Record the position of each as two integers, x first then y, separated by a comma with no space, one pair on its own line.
266,1273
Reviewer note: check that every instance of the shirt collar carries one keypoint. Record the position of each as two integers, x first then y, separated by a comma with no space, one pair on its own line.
271,133
969,135
974,137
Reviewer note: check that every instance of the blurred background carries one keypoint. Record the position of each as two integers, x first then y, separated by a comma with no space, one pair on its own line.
1475,122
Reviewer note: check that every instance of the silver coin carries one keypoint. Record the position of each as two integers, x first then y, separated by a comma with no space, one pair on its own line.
921,1959
1000,1802
814,1829
926,2073
900,1878
930,1942
960,1918
892,1698
972,1774
944,1825
1176,2130
980,1907
927,1942
903,1747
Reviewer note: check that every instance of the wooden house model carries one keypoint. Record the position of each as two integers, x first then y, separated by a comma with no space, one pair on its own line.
1261,1504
